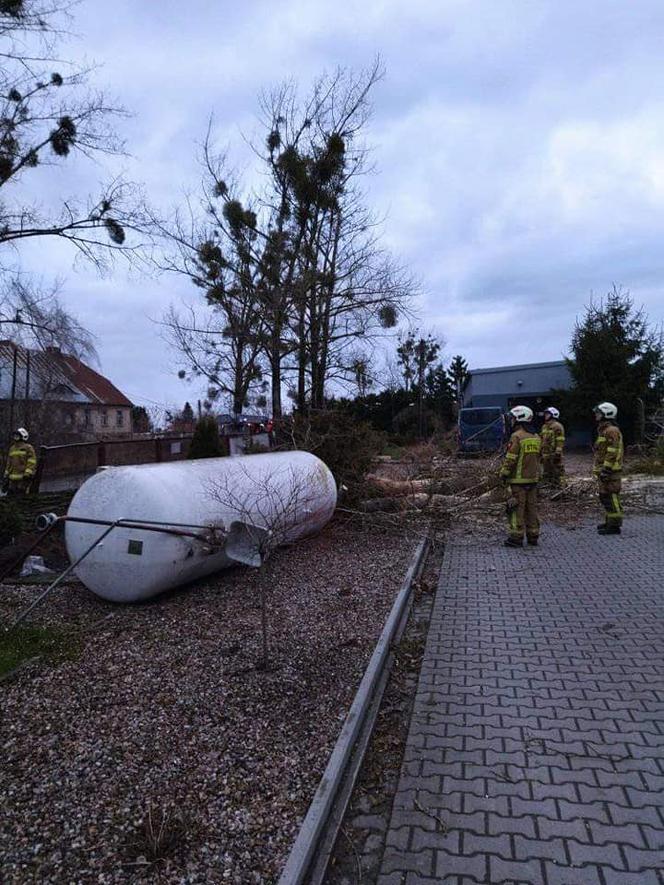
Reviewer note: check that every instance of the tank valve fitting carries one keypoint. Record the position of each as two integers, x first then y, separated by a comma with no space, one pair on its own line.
45,520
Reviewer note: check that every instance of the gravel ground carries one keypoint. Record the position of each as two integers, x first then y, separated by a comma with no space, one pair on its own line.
163,754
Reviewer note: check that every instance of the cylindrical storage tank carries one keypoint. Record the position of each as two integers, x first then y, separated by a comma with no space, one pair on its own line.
259,501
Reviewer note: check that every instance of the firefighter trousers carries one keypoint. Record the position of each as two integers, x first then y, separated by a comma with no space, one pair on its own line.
609,495
553,470
523,516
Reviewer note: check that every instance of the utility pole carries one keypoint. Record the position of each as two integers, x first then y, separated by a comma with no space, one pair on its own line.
12,400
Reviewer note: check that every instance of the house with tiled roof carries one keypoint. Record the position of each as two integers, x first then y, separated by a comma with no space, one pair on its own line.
58,397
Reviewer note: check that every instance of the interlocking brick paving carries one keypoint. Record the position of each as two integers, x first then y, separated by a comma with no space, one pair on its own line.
536,749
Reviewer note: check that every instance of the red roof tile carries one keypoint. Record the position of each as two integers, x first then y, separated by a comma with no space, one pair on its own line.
70,370
91,383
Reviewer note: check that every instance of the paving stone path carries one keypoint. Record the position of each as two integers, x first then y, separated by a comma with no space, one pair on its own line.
536,749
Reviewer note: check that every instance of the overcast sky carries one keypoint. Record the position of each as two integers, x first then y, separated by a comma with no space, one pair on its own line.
518,144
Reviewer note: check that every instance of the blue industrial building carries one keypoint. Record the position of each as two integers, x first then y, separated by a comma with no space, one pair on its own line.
532,384
507,386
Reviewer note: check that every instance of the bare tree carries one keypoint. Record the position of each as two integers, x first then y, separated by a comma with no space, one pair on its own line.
344,288
35,317
214,243
292,271
46,116
267,510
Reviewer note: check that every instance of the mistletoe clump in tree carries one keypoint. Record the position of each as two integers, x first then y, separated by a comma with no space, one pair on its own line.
296,283
47,116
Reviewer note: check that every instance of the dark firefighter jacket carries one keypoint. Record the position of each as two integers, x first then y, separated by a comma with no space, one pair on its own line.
522,461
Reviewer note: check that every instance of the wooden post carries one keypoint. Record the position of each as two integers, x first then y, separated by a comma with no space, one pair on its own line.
36,482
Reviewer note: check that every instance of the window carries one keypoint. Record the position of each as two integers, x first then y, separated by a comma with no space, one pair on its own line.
119,418
104,418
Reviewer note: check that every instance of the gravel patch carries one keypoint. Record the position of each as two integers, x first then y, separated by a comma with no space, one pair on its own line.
162,754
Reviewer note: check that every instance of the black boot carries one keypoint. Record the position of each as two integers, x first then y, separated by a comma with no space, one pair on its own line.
532,542
608,529
514,542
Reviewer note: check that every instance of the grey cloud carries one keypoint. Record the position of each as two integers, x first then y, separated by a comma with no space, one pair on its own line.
518,148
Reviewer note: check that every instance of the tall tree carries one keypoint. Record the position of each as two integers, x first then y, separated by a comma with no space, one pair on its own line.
297,263
458,375
440,393
416,354
141,421
617,355
46,117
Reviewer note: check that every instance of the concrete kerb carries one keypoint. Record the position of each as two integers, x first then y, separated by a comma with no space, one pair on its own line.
305,850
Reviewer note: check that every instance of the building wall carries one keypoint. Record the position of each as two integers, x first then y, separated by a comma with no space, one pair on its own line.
55,423
101,421
511,381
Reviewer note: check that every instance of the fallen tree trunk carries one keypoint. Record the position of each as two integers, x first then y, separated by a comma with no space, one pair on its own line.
418,501
397,488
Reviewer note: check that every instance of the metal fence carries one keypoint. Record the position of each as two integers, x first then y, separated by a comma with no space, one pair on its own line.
60,468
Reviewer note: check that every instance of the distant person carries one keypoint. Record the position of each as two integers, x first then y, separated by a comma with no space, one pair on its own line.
521,471
552,434
608,467
21,464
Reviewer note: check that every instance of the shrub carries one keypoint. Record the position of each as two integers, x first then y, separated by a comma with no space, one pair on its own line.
346,445
11,523
206,442
652,462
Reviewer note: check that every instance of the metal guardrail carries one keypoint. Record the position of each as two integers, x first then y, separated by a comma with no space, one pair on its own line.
312,849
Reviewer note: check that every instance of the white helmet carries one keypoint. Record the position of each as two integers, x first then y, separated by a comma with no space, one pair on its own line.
553,411
607,410
22,433
522,413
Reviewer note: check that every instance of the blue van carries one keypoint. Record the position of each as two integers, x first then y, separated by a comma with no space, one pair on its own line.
482,429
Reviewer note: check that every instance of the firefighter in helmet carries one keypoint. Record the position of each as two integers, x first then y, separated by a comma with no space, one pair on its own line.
21,464
521,472
608,467
552,434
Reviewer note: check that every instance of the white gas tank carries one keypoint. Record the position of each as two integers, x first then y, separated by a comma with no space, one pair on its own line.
252,502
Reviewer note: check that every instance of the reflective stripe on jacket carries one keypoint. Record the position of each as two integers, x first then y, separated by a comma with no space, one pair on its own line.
522,461
21,462
553,437
608,448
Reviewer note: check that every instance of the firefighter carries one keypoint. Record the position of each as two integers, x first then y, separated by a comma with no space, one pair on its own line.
553,443
21,464
521,471
608,467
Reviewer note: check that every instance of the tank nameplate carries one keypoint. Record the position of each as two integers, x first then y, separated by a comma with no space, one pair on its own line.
135,547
